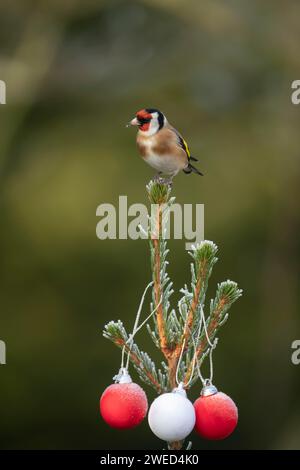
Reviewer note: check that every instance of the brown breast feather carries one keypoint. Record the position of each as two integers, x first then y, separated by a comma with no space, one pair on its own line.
165,142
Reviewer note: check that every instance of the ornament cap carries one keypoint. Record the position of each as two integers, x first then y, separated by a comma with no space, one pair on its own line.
123,377
180,389
208,389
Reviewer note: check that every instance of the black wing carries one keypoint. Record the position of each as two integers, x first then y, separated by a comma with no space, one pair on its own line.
183,144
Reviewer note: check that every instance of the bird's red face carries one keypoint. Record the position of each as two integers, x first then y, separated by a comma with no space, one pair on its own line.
149,120
143,119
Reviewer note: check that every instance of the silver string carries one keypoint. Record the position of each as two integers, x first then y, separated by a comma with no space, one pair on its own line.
137,327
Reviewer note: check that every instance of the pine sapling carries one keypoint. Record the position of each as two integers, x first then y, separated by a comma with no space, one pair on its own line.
179,334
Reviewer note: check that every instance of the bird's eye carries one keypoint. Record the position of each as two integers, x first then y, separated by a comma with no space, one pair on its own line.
143,120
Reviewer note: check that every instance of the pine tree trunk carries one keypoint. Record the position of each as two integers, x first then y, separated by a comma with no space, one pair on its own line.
176,445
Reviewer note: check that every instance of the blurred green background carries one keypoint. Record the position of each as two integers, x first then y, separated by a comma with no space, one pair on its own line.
76,72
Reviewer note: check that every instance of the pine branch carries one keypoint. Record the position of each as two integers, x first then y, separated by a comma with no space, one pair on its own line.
168,327
227,293
204,256
159,196
158,193
145,367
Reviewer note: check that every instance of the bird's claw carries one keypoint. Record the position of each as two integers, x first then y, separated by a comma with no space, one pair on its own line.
160,180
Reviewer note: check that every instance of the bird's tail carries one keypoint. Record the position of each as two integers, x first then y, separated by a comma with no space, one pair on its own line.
191,169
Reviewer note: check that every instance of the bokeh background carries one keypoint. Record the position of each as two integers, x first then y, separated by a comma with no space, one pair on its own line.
76,72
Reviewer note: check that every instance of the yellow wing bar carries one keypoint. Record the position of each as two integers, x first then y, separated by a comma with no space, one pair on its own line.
186,148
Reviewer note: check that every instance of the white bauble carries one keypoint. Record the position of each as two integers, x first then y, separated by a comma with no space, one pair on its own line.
172,416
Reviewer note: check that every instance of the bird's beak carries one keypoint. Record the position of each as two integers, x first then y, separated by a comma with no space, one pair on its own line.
133,122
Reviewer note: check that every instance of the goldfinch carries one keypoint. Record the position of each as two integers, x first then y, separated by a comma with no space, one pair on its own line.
161,145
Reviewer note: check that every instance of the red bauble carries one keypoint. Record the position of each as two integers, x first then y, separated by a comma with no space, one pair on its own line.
216,415
123,405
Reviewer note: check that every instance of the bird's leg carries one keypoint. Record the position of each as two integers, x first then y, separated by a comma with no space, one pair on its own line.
157,178
161,180
169,181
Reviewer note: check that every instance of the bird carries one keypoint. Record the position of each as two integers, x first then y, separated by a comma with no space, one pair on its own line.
161,145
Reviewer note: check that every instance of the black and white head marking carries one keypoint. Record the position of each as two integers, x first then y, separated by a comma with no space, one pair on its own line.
158,121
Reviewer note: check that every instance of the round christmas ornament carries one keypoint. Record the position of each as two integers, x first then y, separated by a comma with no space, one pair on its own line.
123,405
216,414
172,416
